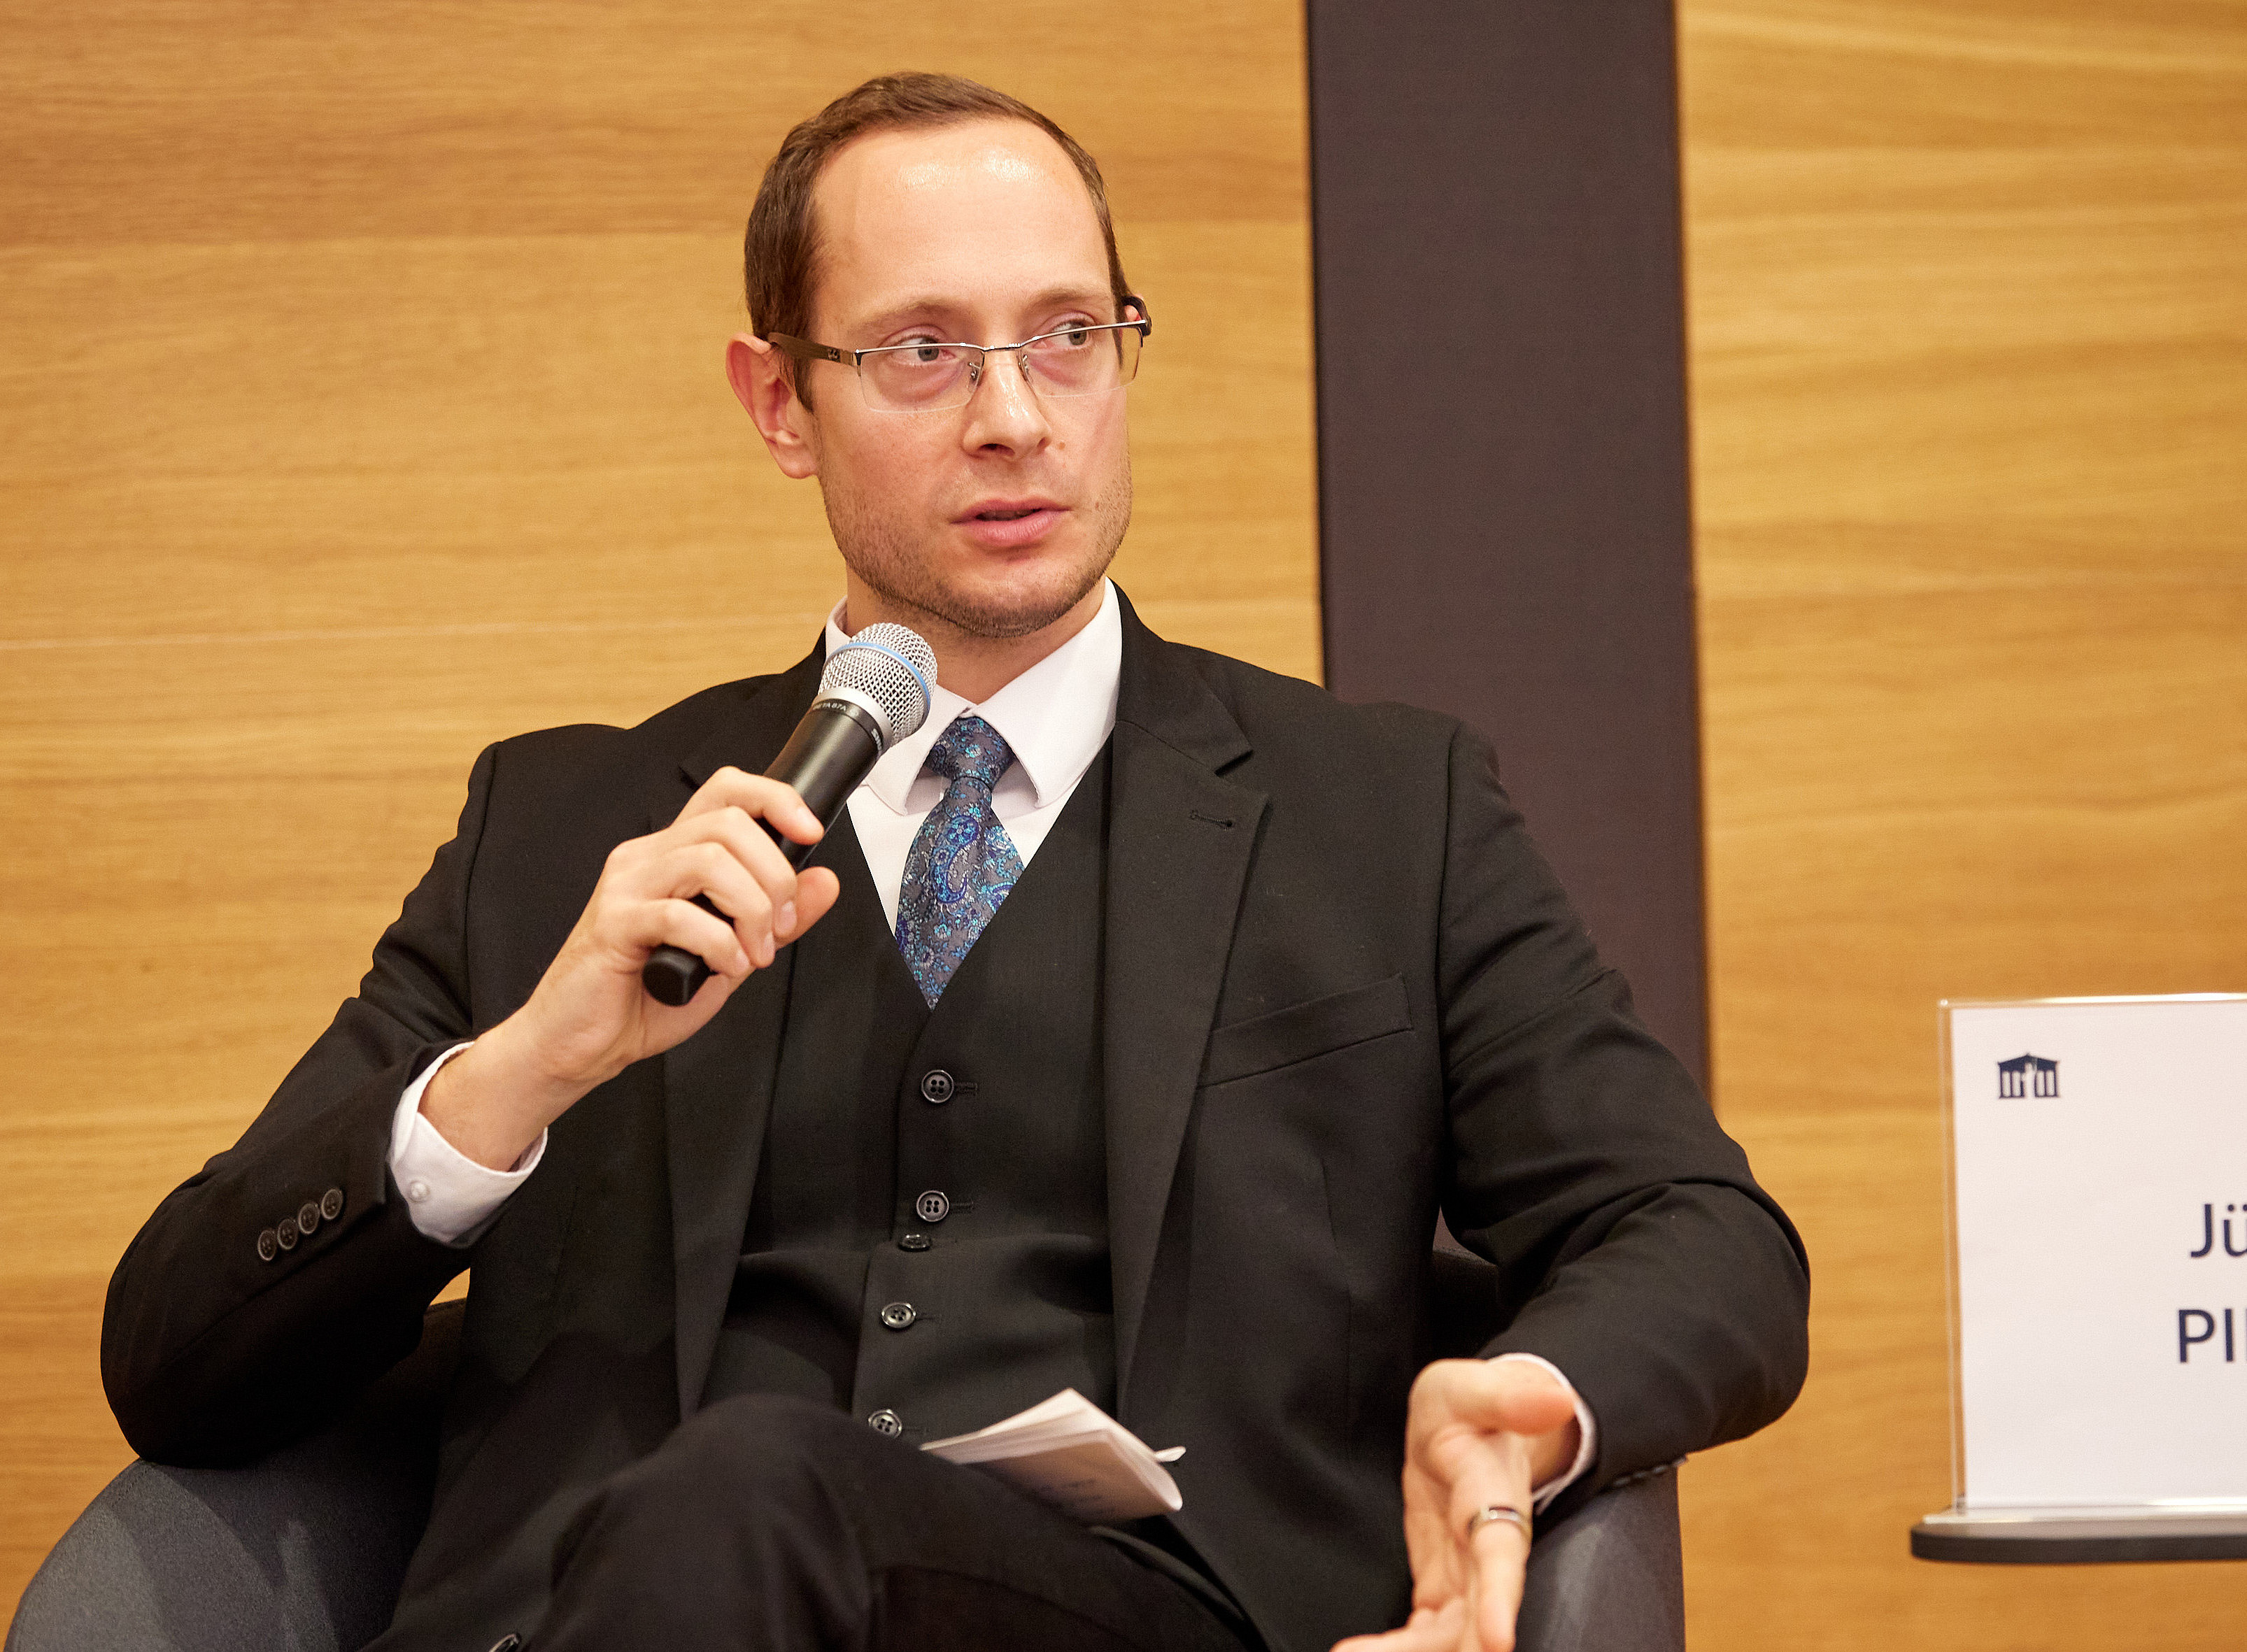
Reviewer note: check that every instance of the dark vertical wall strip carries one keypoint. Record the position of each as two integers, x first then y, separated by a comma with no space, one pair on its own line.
1504,524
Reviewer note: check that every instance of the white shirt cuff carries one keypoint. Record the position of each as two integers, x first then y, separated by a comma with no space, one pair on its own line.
449,1195
1587,1430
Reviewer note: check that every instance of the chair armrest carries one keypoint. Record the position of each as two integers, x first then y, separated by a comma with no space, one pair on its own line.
305,1548
1610,1577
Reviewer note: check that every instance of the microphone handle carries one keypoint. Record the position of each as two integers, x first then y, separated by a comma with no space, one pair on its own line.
830,752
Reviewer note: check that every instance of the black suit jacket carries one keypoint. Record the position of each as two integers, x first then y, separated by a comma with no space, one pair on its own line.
1341,990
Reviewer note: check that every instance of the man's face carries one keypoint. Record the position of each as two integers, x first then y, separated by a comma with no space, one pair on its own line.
999,517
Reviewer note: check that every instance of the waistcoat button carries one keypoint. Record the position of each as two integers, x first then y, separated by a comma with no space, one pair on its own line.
899,1315
886,1422
915,1242
936,1086
932,1206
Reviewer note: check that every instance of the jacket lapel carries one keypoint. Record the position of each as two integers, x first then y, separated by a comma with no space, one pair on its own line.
718,1084
1180,838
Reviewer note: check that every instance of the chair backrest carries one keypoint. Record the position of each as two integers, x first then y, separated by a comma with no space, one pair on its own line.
1465,1310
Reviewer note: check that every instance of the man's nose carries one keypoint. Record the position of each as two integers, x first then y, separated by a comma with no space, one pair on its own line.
1003,411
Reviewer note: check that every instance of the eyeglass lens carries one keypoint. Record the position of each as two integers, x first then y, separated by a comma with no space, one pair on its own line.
928,377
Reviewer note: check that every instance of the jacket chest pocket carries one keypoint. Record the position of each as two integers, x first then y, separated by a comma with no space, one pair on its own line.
1306,1031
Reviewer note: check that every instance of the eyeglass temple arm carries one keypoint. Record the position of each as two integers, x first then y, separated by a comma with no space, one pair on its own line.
804,349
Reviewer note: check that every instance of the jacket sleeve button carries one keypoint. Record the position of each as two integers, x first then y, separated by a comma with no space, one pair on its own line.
285,1233
268,1245
331,1203
308,1217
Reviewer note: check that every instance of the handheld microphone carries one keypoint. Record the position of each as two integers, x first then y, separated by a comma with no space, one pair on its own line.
873,694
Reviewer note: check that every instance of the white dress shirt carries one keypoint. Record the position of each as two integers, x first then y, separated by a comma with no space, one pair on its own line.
1055,718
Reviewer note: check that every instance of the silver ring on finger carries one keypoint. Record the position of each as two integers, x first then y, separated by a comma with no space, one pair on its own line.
1505,1512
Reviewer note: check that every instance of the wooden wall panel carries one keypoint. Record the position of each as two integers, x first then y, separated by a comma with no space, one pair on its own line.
361,404
1968,347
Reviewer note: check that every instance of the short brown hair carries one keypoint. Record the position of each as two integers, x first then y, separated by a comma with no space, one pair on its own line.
780,251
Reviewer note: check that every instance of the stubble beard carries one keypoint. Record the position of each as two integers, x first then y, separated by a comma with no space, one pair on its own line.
884,557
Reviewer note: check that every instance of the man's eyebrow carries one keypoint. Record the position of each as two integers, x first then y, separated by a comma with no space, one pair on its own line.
893,315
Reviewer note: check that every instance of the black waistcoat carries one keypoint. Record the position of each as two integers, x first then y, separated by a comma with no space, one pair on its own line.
929,1232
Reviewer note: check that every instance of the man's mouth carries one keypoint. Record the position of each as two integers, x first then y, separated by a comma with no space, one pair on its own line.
1012,524
1010,510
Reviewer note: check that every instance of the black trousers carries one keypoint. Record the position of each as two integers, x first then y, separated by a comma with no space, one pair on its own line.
777,1524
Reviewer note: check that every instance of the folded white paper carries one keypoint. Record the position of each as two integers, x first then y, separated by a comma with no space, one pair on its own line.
1068,1452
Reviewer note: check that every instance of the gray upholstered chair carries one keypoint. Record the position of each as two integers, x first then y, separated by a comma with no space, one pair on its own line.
304,1551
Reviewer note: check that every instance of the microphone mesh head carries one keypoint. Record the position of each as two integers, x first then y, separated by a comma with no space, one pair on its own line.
891,666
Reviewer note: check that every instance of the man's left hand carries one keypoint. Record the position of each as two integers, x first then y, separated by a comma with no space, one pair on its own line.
1479,1435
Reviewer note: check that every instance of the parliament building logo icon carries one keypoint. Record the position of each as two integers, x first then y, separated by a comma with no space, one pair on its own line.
2028,1076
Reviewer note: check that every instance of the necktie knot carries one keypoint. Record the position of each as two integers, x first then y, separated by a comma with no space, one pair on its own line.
971,749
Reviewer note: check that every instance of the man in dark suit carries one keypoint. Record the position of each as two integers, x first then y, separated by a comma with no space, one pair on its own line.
1127,1033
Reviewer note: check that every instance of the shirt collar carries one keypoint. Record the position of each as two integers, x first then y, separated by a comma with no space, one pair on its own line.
1055,717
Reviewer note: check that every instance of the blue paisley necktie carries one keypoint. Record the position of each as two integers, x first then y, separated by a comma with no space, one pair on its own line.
962,862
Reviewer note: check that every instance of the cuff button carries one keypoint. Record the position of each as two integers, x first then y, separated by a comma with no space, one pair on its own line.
331,1203
268,1245
285,1233
308,1217
418,1191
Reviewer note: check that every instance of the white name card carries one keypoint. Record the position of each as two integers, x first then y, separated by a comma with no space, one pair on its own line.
2098,1195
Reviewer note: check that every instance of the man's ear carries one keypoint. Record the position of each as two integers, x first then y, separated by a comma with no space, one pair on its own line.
758,374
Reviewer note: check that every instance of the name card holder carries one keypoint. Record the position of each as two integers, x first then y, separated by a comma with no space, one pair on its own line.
2098,1248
